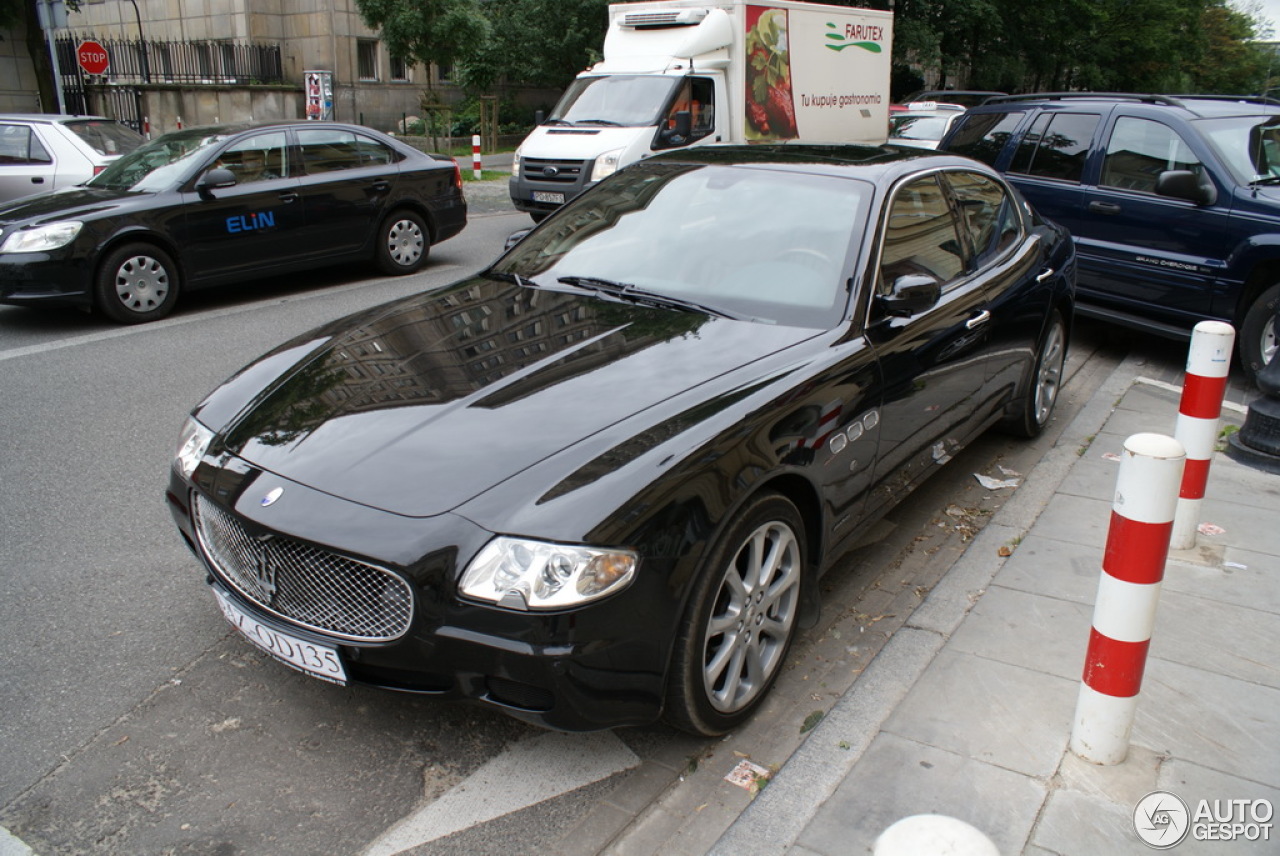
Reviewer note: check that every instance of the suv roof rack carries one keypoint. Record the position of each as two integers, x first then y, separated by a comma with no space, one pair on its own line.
1150,98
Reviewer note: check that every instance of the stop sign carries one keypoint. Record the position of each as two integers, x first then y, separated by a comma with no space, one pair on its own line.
92,57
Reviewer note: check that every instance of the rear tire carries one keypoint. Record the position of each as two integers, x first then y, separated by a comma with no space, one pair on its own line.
1257,344
740,621
403,243
136,283
1035,407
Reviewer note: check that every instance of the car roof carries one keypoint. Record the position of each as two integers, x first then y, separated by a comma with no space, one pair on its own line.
51,118
868,162
1194,106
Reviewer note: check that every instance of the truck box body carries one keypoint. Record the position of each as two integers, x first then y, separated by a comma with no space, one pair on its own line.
739,71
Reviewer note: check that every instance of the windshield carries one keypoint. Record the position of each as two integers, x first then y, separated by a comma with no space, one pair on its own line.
106,137
759,243
1249,145
617,99
905,127
160,164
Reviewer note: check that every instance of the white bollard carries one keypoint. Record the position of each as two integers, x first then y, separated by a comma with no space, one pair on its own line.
1125,609
475,157
1208,362
933,835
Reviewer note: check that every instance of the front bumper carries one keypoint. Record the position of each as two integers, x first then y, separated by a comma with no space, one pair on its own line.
597,667
59,278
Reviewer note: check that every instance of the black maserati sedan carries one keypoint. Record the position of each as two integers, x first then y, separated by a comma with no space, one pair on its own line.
205,206
596,483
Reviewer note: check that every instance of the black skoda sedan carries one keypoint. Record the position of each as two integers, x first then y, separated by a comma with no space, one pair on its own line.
596,484
210,205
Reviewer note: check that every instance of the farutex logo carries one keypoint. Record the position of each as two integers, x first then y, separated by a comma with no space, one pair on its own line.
865,36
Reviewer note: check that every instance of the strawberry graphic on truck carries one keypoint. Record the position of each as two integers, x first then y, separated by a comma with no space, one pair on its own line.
680,73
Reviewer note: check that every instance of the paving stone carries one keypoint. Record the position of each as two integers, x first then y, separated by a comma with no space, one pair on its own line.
1053,568
1004,715
899,777
1036,632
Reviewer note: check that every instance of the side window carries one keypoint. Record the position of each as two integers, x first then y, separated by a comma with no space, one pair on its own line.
1139,150
920,236
18,144
257,158
988,216
982,136
328,150
697,95
373,152
1056,146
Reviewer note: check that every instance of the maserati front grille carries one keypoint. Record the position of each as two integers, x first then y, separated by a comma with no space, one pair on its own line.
307,585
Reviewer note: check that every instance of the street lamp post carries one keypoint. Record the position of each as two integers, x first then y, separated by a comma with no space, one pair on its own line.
142,44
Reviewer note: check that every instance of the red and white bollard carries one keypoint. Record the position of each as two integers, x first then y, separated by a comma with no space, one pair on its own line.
1125,609
1203,389
475,156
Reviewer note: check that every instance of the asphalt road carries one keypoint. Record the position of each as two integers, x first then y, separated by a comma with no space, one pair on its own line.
135,721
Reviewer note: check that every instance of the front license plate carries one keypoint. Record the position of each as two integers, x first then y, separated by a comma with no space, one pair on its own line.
547,196
320,661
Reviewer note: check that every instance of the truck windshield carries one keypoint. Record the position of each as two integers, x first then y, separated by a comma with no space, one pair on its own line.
1249,145
634,100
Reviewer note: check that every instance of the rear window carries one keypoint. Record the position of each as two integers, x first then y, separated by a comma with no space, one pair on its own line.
107,138
982,136
1056,146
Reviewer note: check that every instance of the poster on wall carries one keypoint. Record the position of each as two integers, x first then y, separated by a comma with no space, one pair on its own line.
318,86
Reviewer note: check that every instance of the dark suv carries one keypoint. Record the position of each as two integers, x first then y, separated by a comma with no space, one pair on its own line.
1174,201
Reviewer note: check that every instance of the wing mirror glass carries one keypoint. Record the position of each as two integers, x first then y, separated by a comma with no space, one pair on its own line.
910,295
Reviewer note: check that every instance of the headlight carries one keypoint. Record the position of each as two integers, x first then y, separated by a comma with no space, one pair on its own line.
606,165
515,164
42,238
523,574
192,443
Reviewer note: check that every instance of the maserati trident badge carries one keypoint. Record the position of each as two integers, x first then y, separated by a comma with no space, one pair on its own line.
272,496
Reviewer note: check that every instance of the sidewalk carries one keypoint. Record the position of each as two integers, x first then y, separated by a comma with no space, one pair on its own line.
967,710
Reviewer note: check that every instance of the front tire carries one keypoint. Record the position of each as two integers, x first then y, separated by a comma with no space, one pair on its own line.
1035,407
137,283
740,621
1258,332
403,243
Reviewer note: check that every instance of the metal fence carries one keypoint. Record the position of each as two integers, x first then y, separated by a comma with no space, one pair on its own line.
136,61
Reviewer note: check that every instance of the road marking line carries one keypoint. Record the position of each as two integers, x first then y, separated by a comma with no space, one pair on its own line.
523,775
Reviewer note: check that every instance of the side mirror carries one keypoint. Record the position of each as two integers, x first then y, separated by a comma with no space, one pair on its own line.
1185,184
681,132
910,295
215,179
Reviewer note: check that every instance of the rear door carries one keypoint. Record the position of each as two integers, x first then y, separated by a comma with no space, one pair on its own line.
347,179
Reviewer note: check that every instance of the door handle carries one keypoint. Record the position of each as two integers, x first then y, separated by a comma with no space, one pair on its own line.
37,179
380,186
288,197
978,320
1044,274
1104,207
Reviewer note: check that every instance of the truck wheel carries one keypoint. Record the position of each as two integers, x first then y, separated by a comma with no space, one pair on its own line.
1041,393
136,283
740,620
403,243
1258,333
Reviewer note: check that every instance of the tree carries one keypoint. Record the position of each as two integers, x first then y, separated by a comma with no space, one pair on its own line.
443,32
537,42
22,14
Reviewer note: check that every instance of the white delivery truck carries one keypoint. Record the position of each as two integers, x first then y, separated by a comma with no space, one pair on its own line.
688,72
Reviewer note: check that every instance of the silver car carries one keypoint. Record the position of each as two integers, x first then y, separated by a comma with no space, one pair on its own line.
42,152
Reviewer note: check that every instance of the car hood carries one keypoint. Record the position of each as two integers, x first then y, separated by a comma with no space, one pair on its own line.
420,405
66,204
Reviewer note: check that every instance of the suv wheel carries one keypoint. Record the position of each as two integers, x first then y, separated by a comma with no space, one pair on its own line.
1257,344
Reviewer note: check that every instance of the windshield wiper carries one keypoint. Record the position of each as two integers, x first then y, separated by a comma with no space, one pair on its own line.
629,292
503,276
598,122
1265,179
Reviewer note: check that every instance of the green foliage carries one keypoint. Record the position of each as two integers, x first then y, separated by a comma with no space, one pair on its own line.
427,31
542,43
